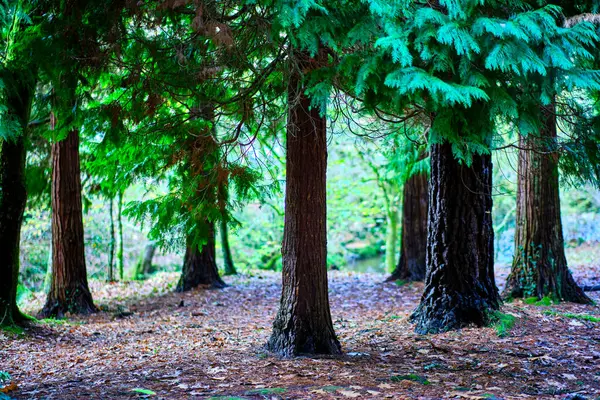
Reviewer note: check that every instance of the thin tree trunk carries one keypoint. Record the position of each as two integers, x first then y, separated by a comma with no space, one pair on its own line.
413,245
111,249
227,259
303,323
391,239
539,265
199,265
120,260
69,292
13,198
460,288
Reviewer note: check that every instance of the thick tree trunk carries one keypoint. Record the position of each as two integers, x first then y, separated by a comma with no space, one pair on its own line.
413,246
69,292
111,247
227,259
120,259
460,288
199,265
539,265
13,198
303,323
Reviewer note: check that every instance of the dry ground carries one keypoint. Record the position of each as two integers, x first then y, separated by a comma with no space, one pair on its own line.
209,343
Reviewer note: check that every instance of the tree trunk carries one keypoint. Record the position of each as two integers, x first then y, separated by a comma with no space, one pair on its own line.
413,246
199,265
69,292
391,238
227,259
13,198
303,323
144,265
120,260
460,287
111,250
539,264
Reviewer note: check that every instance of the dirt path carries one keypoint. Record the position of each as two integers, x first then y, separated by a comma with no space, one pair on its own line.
208,343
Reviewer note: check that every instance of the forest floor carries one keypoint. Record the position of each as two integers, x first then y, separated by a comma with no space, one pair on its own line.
210,344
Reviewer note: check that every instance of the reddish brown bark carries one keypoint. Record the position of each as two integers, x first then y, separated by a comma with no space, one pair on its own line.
303,323
69,292
459,287
413,246
539,265
199,264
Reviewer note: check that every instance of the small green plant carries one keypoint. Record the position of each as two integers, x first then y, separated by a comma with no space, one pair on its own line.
12,329
544,301
583,317
400,282
266,391
502,323
4,377
410,377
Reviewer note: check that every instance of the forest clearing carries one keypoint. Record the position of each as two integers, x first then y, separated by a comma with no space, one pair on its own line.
298,199
211,344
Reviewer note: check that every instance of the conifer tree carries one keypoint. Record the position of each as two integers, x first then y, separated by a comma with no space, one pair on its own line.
18,76
458,62
539,267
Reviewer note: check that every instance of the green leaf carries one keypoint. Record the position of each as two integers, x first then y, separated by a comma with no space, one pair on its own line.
145,392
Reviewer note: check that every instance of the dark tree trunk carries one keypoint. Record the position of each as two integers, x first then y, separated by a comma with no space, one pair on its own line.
111,248
459,288
69,292
144,265
303,323
413,246
227,259
539,264
199,265
13,198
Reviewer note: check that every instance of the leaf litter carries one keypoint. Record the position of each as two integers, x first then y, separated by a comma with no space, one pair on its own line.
150,342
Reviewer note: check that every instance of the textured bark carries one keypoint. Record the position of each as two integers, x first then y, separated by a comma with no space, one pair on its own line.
413,246
13,198
459,288
227,259
199,265
539,265
69,292
303,323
